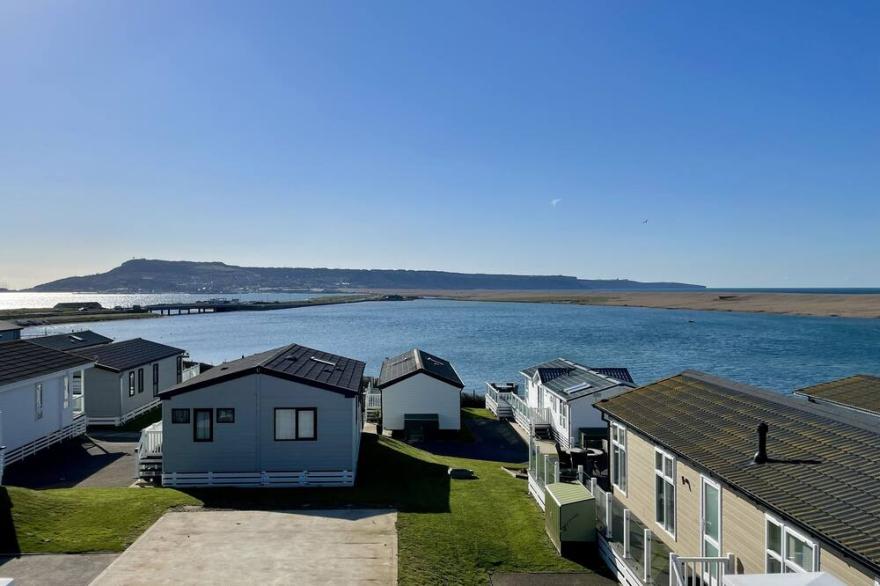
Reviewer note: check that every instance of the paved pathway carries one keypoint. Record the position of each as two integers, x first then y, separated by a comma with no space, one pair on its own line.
349,546
55,570
103,459
493,440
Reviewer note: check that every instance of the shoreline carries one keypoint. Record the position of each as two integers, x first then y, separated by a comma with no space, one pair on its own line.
845,305
36,317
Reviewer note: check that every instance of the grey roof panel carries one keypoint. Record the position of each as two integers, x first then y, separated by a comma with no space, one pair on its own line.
292,362
712,423
417,361
572,380
21,360
8,326
72,341
861,391
127,354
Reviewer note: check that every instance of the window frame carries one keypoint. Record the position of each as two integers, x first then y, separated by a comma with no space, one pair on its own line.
296,436
707,481
314,437
179,410
617,444
219,409
66,392
131,387
38,401
670,480
782,557
155,379
140,381
195,424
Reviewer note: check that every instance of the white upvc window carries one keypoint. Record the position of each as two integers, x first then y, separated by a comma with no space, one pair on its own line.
664,483
787,550
563,414
618,456
66,392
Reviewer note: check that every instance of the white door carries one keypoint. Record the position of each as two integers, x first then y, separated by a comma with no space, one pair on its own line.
711,527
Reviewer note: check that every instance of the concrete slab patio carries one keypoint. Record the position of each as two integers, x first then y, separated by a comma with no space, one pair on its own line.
55,570
349,546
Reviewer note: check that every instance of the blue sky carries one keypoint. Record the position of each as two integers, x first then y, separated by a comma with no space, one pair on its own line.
438,136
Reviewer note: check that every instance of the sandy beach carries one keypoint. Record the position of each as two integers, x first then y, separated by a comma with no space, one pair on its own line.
815,304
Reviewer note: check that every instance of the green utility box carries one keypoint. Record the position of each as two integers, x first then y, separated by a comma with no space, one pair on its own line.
569,515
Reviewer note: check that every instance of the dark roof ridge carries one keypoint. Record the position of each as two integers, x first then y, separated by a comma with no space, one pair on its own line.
268,359
783,400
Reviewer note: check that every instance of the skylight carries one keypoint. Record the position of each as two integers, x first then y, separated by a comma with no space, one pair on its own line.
578,387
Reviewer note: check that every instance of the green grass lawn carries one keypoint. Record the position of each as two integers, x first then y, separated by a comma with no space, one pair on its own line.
449,531
73,520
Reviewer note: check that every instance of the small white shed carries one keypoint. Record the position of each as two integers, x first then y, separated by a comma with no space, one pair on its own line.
420,392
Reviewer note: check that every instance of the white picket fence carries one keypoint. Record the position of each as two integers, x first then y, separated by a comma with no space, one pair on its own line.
74,429
302,478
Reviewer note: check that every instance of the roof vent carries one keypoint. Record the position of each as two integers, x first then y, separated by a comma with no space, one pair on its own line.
322,361
761,454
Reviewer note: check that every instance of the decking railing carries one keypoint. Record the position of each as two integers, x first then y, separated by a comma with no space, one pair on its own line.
125,418
625,543
628,546
685,570
298,478
498,401
190,372
75,428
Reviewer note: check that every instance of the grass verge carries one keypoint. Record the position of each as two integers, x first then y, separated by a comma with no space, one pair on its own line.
74,520
449,531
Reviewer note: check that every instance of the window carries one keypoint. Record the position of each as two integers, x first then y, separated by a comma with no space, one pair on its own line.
296,424
38,401
131,384
563,414
787,550
155,379
664,478
618,456
225,415
66,392
305,424
203,425
180,416
179,368
140,380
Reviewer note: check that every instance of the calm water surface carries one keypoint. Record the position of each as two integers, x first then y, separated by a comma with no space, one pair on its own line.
493,341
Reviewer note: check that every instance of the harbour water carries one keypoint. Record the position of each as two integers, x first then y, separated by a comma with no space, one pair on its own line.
493,341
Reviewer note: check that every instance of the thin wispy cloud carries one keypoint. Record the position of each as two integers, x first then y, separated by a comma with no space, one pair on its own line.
555,202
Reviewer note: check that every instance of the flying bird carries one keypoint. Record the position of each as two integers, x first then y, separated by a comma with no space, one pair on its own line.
645,221
554,202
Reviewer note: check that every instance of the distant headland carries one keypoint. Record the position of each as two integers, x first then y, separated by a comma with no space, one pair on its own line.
165,276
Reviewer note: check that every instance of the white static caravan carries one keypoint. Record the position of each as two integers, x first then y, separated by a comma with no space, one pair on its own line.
291,416
37,406
128,377
420,391
561,394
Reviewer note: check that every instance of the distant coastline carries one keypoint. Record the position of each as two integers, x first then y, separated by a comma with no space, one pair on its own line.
849,305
